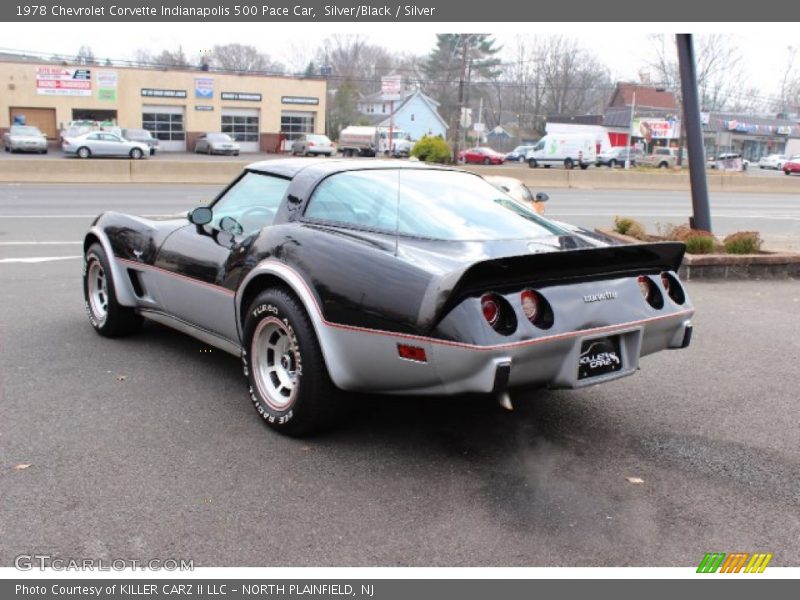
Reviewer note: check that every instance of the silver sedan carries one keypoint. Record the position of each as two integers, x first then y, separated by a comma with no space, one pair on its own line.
103,143
216,143
24,138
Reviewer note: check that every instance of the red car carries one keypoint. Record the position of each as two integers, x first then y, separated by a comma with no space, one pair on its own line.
482,156
792,165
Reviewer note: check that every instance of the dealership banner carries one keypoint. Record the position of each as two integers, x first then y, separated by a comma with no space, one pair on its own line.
61,81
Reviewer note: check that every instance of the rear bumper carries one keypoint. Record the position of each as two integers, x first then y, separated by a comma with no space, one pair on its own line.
366,360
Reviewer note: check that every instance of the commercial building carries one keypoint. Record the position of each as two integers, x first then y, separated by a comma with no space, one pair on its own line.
263,113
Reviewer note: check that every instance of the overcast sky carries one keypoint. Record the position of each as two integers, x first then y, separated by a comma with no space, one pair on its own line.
623,47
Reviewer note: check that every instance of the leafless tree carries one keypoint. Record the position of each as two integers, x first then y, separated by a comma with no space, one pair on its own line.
719,70
243,58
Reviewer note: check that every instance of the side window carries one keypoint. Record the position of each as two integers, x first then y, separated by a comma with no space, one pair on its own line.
250,204
360,198
95,136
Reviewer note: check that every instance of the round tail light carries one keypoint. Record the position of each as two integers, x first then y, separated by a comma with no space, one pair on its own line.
530,304
490,308
650,292
665,282
644,286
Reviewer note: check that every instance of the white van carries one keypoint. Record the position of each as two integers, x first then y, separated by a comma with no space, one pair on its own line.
567,149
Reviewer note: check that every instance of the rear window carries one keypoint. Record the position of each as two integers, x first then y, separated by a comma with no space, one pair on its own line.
433,204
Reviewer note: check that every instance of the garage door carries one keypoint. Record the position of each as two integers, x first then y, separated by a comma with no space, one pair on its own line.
167,123
242,125
43,118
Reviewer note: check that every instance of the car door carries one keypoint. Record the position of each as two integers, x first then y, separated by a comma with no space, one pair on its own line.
199,267
97,145
116,147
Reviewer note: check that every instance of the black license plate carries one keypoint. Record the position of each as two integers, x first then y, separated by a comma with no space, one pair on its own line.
599,356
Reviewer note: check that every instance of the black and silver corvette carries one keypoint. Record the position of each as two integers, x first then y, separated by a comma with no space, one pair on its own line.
398,278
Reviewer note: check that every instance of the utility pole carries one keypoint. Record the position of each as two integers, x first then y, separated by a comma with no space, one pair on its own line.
463,39
694,133
630,135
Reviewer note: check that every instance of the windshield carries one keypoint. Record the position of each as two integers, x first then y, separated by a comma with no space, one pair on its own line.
25,130
433,204
219,137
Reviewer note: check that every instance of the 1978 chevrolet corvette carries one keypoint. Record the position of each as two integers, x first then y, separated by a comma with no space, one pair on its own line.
339,275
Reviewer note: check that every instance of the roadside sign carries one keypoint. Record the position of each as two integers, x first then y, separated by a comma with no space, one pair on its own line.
391,87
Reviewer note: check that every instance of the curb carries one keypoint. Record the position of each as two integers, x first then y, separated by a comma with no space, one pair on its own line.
769,265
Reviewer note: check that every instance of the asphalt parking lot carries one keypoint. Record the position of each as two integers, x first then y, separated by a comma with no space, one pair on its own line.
148,446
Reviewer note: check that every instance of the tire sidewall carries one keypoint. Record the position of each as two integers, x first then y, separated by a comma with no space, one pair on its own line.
272,305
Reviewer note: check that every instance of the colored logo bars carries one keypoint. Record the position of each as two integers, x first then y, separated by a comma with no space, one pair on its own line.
734,563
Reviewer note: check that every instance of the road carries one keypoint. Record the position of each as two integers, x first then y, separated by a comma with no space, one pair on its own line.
148,447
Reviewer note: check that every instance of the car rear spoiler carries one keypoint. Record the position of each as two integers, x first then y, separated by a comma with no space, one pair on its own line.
549,268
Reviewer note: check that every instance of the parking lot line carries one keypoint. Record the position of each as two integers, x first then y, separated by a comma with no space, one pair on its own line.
36,259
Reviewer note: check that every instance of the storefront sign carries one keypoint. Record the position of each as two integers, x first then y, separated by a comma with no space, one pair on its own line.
784,130
58,81
299,100
107,85
204,107
203,87
156,93
656,129
245,96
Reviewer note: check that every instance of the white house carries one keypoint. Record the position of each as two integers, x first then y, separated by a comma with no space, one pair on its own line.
416,113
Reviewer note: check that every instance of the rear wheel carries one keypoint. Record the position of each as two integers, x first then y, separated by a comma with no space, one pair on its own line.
568,164
107,316
283,362
612,163
84,152
487,161
136,154
662,165
532,163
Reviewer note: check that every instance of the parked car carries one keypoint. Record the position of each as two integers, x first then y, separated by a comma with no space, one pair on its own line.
567,149
103,143
313,144
482,155
518,154
616,157
24,138
143,136
519,192
216,143
773,161
662,158
792,165
730,161
294,269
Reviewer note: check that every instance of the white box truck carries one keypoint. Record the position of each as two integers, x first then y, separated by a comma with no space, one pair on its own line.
357,140
563,149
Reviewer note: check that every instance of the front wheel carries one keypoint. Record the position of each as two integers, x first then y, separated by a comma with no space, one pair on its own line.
487,161
136,154
612,163
84,152
285,369
584,166
532,163
108,317
568,164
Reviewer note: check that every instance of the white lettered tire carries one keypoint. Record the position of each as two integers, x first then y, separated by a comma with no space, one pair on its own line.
288,381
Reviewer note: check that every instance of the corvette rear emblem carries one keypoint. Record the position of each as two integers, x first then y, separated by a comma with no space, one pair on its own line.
600,296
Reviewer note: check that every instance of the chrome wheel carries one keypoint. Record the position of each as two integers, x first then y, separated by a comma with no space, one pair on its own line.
98,290
276,362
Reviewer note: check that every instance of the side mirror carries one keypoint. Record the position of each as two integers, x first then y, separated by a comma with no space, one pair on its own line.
542,197
201,215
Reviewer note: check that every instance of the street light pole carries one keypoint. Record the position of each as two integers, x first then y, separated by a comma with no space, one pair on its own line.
630,135
456,139
694,133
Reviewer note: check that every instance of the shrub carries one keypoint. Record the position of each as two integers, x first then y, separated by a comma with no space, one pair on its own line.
702,242
629,227
636,230
432,149
676,233
743,242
